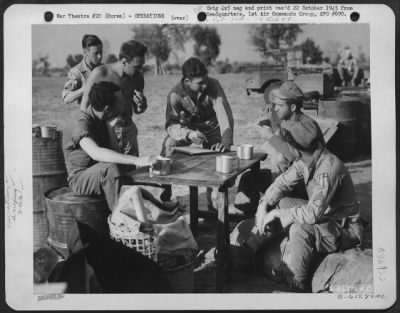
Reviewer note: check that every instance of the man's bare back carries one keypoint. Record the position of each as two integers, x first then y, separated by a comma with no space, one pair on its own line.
109,73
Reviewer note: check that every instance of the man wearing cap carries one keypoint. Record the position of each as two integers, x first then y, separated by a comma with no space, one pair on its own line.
327,222
286,100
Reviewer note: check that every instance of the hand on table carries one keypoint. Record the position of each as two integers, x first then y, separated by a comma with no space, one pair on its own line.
197,137
145,161
220,147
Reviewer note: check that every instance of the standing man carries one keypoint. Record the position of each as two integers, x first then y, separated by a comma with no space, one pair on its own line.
327,222
286,102
126,74
198,111
78,75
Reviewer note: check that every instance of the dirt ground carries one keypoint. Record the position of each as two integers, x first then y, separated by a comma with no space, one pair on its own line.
47,107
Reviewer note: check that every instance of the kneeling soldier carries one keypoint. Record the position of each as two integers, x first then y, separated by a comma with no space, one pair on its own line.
325,223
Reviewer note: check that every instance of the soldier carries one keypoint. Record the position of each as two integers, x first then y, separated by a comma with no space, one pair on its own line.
327,222
126,74
77,76
348,69
286,102
91,162
198,111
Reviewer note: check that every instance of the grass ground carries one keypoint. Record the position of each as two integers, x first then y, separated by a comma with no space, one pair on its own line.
47,107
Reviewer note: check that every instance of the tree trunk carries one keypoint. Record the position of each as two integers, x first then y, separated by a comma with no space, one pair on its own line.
159,70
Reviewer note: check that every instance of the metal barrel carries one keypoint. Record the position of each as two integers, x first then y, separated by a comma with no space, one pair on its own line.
48,170
345,110
64,207
364,117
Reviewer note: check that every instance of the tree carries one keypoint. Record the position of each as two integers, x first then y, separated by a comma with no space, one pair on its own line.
265,37
41,66
310,49
73,60
332,51
362,58
161,40
207,42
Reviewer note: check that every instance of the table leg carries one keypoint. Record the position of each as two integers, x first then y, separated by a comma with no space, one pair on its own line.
194,207
223,257
256,167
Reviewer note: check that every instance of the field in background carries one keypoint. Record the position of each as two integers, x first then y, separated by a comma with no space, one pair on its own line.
48,108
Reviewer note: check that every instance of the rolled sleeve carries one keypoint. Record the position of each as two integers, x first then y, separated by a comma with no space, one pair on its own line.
80,131
284,183
74,82
172,125
224,116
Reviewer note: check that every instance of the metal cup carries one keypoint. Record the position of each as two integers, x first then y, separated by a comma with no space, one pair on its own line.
246,152
226,164
218,163
162,166
48,131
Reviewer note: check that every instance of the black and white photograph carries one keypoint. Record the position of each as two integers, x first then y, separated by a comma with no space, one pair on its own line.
202,158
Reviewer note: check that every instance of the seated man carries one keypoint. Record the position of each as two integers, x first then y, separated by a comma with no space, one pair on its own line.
327,222
92,166
348,69
286,102
129,98
197,112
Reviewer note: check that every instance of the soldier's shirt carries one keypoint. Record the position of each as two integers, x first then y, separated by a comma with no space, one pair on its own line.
276,140
209,113
76,77
329,187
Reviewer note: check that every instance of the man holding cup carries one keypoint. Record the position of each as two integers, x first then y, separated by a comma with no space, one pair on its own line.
325,223
197,112
286,100
126,74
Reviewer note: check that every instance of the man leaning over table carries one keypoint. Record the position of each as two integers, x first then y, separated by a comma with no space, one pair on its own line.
197,111
91,163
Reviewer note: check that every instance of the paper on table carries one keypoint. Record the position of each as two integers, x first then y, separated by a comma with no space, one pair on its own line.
193,150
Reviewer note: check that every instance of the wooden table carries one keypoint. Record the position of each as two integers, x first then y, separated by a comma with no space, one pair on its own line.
200,171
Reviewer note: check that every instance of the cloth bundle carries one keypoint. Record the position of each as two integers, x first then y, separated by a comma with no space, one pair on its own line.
171,230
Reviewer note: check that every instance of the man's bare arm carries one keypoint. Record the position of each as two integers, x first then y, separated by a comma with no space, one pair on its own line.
100,154
95,76
70,96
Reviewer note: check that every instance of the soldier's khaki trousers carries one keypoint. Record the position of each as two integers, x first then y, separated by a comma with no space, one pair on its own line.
300,244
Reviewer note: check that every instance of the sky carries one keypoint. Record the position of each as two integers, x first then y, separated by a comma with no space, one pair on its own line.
60,40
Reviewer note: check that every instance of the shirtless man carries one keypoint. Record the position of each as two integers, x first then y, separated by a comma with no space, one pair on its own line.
125,73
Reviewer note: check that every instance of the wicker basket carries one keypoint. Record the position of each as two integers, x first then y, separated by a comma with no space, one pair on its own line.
141,242
177,268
